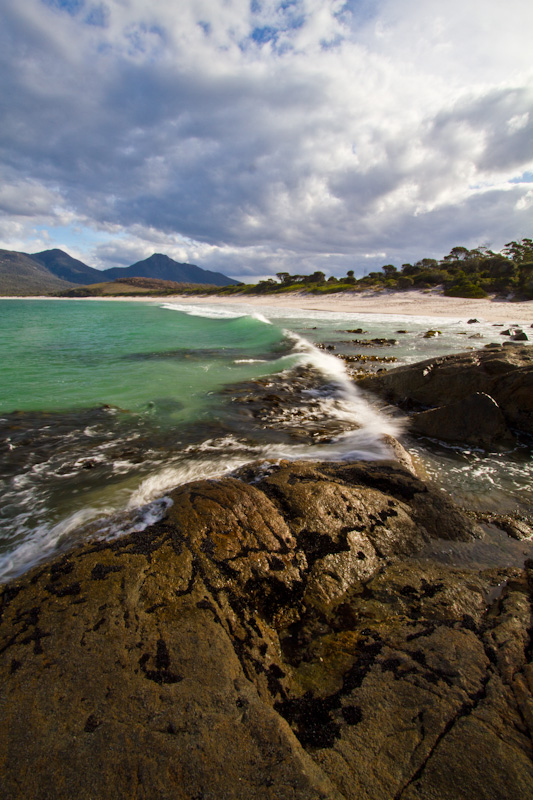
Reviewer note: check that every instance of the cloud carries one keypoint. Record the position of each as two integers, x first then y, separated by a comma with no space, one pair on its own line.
263,136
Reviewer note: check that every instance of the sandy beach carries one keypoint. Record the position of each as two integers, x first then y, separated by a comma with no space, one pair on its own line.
411,303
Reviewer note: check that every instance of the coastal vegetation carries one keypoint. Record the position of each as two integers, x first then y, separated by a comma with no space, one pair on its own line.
462,273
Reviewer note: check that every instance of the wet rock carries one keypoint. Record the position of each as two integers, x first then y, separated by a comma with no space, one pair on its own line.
514,525
378,342
362,358
503,373
287,407
472,321
477,420
521,336
274,637
432,334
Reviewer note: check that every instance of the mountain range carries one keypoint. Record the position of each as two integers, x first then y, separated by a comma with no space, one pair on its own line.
53,271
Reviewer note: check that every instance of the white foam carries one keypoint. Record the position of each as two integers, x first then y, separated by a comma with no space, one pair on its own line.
43,541
209,312
215,312
348,404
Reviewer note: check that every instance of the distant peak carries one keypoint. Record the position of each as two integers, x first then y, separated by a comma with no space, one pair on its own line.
54,251
159,257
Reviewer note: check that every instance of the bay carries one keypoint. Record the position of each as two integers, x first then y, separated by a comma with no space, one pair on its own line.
105,406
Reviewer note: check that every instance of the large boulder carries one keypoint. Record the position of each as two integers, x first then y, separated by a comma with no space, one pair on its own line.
477,420
503,372
275,636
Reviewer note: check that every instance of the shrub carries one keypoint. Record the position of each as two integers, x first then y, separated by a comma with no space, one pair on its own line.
465,288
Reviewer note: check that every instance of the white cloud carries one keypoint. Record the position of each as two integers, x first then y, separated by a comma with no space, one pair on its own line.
243,135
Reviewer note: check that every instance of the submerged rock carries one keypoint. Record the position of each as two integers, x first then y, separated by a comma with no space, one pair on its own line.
378,342
503,373
273,637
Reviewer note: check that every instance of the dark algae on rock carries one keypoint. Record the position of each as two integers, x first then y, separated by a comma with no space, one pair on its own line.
275,636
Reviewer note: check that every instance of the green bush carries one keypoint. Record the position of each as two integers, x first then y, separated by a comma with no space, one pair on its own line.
465,288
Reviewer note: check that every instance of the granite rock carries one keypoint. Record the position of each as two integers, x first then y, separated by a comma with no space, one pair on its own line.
275,636
504,373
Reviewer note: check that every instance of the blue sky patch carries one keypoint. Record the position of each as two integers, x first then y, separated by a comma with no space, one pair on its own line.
72,7
526,177
265,34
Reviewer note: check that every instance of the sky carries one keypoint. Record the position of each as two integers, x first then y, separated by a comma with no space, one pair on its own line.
265,136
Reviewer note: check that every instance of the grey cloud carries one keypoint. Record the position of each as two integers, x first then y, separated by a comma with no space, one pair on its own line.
491,116
246,159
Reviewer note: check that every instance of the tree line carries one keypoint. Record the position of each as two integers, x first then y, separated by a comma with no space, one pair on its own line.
461,273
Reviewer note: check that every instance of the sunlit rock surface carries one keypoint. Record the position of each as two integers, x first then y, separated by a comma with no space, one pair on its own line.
275,636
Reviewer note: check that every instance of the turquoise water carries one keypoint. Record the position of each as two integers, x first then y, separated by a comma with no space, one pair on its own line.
105,406
65,355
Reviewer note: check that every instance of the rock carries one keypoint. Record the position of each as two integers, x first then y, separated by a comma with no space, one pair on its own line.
520,336
273,637
477,420
514,526
359,357
431,334
378,342
401,455
504,373
472,321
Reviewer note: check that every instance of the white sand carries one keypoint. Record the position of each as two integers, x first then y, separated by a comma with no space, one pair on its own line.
411,303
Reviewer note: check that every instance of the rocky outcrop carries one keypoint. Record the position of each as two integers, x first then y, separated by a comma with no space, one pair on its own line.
477,420
503,373
275,636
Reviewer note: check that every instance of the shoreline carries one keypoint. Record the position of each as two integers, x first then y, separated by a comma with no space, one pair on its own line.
412,303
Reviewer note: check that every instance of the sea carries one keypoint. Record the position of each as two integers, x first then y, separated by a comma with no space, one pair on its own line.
106,406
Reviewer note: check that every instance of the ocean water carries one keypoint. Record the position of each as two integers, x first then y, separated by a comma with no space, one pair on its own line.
106,406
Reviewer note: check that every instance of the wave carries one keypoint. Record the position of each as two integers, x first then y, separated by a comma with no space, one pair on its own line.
346,402
214,312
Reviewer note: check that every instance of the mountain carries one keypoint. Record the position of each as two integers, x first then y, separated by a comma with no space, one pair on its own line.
165,268
66,267
54,271
21,275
